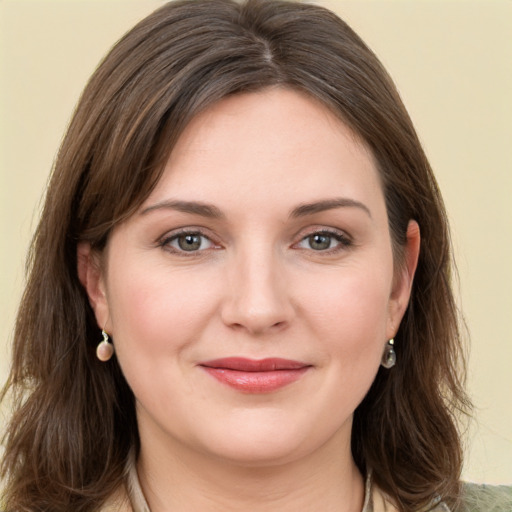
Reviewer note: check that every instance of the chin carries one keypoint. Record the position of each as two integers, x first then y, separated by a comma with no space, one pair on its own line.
254,454
259,443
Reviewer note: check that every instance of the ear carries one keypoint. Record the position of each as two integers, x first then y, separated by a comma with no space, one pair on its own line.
402,283
91,276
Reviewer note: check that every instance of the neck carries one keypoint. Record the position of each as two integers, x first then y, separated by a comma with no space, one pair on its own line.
181,479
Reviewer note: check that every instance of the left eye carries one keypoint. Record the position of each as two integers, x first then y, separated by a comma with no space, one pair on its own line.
321,241
189,242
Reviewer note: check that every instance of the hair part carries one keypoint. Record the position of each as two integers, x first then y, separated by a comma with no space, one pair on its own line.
74,418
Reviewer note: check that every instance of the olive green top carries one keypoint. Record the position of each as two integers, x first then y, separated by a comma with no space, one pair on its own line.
486,498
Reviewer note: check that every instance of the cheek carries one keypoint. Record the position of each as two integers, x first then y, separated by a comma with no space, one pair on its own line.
158,316
156,312
349,313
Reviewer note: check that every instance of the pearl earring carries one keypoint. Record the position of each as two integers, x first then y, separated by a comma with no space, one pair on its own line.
105,349
389,355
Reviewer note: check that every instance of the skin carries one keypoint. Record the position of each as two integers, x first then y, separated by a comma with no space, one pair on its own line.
256,287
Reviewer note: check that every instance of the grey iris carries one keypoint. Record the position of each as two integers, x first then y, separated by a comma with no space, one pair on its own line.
319,242
189,242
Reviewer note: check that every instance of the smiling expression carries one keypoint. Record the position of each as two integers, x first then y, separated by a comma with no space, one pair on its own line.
251,296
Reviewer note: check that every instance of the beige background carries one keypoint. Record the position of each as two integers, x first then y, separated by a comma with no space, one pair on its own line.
452,61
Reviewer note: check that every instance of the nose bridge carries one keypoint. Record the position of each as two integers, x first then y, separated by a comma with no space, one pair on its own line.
258,298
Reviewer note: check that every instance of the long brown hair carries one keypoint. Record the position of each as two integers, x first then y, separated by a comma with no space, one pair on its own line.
74,418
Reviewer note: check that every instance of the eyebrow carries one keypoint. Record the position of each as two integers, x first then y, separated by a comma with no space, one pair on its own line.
328,204
194,207
211,211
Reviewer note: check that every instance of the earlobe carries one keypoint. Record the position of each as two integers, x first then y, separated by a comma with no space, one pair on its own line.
91,276
402,285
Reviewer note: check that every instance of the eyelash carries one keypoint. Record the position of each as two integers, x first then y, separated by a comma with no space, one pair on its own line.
343,242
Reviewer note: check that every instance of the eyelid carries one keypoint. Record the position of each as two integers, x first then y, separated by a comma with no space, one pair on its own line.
318,229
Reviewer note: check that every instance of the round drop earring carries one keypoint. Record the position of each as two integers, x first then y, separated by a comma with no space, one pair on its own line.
105,349
389,355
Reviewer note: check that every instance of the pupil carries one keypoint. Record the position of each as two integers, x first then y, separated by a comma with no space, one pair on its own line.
320,242
189,242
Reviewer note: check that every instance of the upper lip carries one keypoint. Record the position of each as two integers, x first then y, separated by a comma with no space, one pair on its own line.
243,364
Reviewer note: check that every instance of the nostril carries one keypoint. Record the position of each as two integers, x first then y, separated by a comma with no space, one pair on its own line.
257,327
259,304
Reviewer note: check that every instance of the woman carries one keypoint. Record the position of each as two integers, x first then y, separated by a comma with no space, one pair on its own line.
237,210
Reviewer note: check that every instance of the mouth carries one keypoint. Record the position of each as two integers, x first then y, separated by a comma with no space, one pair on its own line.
255,375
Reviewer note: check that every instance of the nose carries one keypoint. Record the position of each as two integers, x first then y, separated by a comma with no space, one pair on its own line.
257,298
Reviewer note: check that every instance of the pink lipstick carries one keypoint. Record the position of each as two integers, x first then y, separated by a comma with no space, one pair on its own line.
255,375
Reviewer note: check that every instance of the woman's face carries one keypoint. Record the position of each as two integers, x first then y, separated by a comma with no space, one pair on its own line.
251,297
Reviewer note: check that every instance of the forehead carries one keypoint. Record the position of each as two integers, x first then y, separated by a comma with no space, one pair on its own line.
274,145
281,116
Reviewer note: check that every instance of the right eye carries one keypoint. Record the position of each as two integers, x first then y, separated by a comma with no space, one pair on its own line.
188,242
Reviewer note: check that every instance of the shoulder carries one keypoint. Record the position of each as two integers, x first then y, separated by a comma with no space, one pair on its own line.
480,498
474,498
486,498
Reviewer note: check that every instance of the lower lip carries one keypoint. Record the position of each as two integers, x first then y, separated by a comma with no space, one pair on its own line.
256,382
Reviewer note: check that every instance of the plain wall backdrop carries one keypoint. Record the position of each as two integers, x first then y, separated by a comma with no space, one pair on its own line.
452,62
